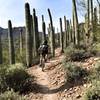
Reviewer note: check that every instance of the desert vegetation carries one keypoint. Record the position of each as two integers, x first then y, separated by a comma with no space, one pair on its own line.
78,45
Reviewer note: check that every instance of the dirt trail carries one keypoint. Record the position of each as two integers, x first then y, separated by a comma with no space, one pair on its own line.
43,79
51,84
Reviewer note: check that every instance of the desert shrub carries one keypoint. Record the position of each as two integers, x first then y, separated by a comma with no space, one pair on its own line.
3,85
95,48
73,72
95,72
75,54
11,95
93,92
97,67
15,77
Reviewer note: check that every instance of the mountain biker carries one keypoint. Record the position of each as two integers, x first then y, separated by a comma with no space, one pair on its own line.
43,52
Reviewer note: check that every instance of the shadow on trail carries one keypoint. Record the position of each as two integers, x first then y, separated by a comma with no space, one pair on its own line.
37,88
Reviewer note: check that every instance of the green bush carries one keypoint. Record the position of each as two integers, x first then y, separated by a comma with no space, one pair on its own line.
11,95
73,72
74,54
3,85
95,48
95,73
97,67
93,93
15,77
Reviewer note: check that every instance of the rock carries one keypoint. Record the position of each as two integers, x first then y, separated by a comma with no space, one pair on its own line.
75,89
90,85
85,64
85,85
96,59
70,89
78,96
64,98
65,90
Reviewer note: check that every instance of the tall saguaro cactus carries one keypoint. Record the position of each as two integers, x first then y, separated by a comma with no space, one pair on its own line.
21,42
73,18
31,21
11,43
28,36
35,33
87,17
99,13
1,56
58,37
95,18
77,42
61,36
65,34
92,24
52,36
68,32
71,35
43,29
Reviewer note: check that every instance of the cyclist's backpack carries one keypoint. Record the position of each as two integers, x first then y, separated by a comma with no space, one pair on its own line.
43,49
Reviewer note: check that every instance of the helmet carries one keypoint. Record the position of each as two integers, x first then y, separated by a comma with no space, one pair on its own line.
45,42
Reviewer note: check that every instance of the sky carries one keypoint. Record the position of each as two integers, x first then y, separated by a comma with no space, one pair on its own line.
14,10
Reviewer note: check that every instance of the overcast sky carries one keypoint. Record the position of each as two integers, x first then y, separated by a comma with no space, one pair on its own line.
15,11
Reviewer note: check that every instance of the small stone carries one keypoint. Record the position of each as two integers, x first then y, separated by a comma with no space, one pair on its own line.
78,96
64,98
96,59
65,90
70,89
85,85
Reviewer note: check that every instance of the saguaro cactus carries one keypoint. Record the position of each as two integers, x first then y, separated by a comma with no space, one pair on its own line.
95,18
52,35
1,56
32,33
77,41
65,34
68,33
92,24
43,29
73,18
71,35
61,36
11,43
58,37
21,42
28,36
87,17
99,13
36,33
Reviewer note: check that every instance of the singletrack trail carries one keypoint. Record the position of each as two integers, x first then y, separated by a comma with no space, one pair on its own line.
51,83
43,79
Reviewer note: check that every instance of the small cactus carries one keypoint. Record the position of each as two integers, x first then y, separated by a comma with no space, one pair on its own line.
11,44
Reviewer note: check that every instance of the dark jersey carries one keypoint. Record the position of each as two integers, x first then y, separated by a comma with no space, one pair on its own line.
43,49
